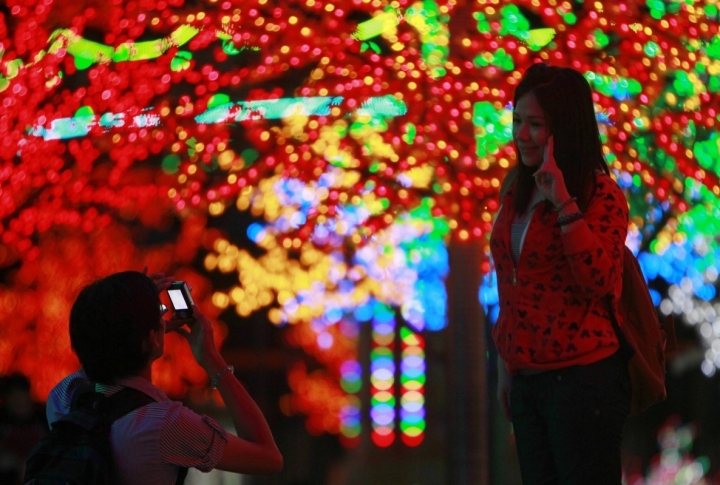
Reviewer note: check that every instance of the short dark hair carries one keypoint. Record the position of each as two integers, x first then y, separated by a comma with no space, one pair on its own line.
110,322
566,99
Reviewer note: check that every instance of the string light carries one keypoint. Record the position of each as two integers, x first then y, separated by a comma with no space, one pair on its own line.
382,378
412,379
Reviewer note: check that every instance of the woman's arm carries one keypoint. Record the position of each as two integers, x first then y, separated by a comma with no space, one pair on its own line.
594,243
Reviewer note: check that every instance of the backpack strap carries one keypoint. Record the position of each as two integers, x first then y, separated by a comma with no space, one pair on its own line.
90,409
108,409
123,402
626,350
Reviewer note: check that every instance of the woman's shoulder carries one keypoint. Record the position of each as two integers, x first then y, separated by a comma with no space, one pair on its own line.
605,183
608,196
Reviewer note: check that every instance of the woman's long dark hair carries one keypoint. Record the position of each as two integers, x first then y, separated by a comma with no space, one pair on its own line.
565,97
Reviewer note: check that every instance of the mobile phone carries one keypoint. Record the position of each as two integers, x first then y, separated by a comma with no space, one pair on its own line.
180,298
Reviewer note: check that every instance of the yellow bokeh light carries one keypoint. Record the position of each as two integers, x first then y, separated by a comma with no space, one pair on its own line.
216,208
220,300
210,262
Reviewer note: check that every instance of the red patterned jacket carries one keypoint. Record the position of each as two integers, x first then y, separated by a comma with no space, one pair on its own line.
553,305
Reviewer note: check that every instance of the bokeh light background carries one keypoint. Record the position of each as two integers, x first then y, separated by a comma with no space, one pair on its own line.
357,140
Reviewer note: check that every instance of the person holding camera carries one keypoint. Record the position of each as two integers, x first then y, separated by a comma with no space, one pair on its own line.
117,330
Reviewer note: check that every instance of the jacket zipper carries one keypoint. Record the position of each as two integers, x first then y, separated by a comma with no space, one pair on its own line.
522,245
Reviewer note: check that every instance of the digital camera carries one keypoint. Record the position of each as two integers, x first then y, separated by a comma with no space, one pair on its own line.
180,299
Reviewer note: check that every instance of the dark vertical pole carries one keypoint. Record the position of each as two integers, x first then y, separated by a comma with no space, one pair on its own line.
467,410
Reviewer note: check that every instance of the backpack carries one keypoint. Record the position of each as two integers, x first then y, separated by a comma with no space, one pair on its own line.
77,449
644,339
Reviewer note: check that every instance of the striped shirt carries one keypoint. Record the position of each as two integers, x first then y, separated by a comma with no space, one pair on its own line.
151,443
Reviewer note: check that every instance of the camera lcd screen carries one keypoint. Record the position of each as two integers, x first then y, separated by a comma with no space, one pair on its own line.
178,300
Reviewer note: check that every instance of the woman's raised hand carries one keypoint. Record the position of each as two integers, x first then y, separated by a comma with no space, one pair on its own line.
549,178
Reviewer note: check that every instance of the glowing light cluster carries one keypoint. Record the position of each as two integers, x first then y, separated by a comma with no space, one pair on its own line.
403,265
350,416
323,298
412,381
411,44
700,313
675,464
383,398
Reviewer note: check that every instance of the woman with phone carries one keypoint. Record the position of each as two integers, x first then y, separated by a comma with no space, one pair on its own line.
557,249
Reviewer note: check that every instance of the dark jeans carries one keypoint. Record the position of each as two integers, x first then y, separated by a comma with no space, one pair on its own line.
568,423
